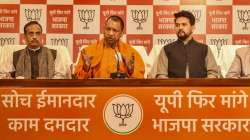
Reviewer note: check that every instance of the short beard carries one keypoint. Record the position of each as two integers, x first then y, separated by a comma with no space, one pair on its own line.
183,38
111,44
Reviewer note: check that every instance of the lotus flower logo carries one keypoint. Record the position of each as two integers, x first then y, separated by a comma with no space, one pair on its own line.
33,14
219,42
86,16
123,111
59,41
197,15
244,17
7,41
139,16
123,114
162,41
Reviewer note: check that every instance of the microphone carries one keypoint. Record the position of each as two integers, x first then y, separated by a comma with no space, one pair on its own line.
118,74
131,63
118,58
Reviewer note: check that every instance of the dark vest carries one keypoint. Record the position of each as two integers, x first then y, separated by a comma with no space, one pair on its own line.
193,54
33,59
34,63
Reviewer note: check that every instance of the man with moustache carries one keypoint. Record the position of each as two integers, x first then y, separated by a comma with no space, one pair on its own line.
186,58
110,57
35,61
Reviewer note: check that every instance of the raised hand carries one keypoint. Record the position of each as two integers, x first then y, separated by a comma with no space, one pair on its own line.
86,61
130,63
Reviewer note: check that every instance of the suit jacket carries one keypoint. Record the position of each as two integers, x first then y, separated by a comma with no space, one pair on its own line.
240,68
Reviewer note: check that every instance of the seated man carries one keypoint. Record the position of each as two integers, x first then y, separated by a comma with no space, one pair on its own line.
35,61
186,58
110,57
240,68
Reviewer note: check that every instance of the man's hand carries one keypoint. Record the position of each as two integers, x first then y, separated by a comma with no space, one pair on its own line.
5,76
86,61
130,63
161,76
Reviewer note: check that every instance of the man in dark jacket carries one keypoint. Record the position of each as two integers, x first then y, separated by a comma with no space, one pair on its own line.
35,61
186,58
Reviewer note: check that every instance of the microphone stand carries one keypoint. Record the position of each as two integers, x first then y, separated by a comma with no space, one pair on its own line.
118,74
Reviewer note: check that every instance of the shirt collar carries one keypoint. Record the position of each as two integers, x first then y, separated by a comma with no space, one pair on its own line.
190,41
36,49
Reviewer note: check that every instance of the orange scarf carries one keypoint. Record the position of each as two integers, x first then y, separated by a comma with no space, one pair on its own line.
97,51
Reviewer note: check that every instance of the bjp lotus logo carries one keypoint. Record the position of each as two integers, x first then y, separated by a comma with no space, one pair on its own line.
244,17
59,41
123,114
86,16
33,14
123,111
139,16
162,41
197,15
219,42
7,41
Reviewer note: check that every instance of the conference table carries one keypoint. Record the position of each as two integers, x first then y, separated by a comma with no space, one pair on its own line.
132,109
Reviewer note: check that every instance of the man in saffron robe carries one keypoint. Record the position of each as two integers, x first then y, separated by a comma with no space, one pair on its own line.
110,55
